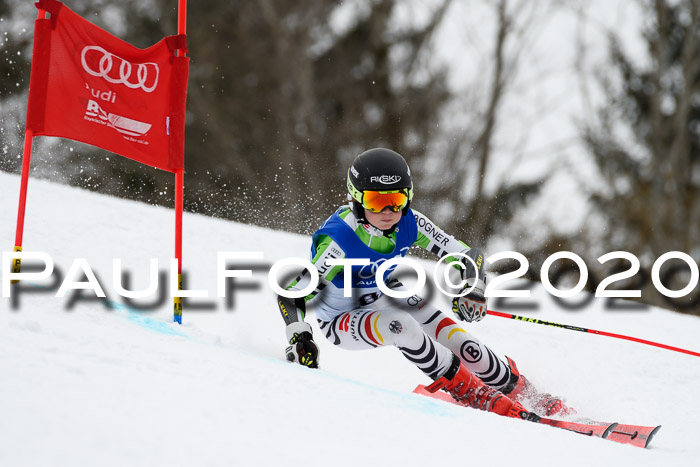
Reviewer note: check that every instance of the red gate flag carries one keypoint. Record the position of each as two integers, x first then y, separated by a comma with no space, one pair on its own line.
90,86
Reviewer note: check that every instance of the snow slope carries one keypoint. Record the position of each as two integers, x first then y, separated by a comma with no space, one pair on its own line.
83,385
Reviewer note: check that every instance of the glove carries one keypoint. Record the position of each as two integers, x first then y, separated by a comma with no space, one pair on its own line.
303,350
471,307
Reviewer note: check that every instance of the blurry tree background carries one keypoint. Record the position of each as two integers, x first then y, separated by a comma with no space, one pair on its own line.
283,95
645,141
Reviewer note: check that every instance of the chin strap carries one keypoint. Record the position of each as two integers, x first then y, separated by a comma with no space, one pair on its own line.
359,212
404,211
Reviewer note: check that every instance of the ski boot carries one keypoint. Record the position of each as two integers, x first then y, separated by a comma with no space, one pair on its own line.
468,390
544,404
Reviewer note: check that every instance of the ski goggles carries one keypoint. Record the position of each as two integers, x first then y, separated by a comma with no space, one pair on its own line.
377,201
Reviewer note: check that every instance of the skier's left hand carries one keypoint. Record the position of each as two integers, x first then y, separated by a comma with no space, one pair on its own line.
303,350
471,307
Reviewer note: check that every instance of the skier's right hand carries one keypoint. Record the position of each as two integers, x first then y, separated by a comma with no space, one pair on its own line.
303,350
471,307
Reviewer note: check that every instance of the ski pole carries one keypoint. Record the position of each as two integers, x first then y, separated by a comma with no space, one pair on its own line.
591,331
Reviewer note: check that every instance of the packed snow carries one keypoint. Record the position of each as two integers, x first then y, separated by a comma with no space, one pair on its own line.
87,382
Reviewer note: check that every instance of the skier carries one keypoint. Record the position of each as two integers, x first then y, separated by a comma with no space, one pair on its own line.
378,224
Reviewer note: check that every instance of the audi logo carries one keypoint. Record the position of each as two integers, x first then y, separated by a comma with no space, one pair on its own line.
146,76
370,270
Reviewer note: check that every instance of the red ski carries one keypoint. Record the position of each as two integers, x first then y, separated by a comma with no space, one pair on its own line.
635,435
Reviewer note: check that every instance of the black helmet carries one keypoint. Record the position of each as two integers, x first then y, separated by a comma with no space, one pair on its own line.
381,170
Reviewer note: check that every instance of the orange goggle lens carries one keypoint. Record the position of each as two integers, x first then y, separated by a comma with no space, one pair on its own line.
377,201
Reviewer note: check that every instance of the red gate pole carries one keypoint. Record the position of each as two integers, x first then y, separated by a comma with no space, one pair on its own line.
22,206
179,186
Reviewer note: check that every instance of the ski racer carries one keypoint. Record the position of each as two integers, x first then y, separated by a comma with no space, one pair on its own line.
379,224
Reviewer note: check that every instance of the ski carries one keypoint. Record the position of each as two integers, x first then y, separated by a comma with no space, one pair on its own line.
634,435
595,430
